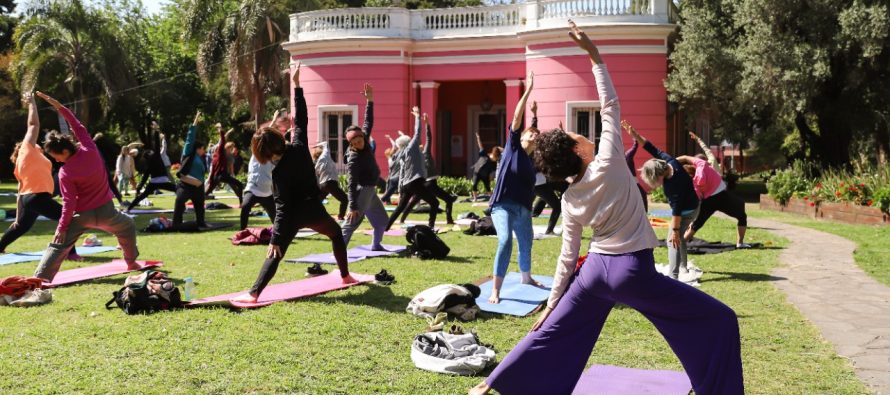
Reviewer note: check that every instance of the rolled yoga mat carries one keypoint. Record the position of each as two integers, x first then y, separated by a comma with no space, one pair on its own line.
614,380
516,298
19,257
115,267
286,291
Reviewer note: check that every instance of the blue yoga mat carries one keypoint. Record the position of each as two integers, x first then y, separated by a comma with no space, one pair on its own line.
516,298
19,257
660,213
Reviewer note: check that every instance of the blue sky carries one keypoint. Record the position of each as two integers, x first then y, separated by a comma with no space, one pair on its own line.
153,6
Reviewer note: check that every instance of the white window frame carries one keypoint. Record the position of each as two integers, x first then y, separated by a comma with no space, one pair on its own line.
322,134
572,106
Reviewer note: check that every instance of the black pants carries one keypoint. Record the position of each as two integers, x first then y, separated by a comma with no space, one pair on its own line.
186,192
250,200
433,186
645,199
547,194
391,186
227,178
485,179
33,206
415,188
314,217
149,189
725,202
333,188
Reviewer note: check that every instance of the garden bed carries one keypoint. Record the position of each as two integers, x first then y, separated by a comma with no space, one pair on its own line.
843,212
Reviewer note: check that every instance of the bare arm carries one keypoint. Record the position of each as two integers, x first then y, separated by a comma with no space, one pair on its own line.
584,42
479,141
707,150
520,107
33,120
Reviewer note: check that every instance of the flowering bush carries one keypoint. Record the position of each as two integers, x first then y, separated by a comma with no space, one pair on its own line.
866,186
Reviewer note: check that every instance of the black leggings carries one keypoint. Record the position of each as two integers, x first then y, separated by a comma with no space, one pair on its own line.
433,186
418,188
314,217
485,179
645,199
186,192
725,202
149,189
391,186
114,191
547,195
236,185
250,200
33,206
333,188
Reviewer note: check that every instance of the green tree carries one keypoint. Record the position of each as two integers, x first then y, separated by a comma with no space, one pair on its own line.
815,69
65,43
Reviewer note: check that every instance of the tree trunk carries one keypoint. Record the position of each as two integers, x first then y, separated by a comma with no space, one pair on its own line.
836,137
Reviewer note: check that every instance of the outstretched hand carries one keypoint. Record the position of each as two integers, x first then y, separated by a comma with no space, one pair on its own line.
27,98
415,111
295,74
530,81
53,102
368,92
426,119
582,41
198,118
534,108
693,136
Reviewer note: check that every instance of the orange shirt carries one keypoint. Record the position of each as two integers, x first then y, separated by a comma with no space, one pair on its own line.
33,170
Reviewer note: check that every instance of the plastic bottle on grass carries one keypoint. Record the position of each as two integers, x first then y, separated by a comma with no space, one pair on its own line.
189,289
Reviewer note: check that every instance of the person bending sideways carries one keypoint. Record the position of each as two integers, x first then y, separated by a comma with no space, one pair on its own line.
222,167
432,183
86,198
392,176
329,178
667,171
620,268
158,173
484,166
33,171
412,178
511,202
711,189
362,174
191,177
296,195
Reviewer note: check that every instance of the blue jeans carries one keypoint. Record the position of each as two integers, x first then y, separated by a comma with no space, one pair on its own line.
509,218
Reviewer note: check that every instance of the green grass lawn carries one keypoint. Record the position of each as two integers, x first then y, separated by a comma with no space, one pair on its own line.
872,241
357,341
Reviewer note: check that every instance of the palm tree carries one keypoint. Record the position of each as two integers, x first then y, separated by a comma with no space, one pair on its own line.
63,41
246,37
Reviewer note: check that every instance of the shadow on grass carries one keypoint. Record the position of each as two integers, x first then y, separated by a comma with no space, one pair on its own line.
740,276
377,296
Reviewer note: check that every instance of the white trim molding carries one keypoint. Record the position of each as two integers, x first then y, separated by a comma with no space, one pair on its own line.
468,59
603,49
354,60
512,82
428,84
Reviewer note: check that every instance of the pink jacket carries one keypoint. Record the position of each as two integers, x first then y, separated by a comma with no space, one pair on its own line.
706,179
82,179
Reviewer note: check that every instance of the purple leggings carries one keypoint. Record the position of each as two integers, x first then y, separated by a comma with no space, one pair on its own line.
702,331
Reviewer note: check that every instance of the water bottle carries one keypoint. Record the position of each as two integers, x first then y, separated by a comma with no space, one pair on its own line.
189,289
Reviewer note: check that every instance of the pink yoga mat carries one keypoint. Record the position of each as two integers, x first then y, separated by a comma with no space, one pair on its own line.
614,380
113,268
286,291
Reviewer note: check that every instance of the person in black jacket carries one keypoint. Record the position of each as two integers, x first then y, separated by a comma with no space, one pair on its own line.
158,173
432,183
363,173
296,191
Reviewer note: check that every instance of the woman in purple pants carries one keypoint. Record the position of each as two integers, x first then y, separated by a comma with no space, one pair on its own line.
701,330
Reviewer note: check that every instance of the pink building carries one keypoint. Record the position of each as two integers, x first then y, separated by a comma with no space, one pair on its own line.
466,67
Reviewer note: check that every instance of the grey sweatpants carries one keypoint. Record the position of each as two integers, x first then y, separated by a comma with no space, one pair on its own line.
677,256
104,218
368,205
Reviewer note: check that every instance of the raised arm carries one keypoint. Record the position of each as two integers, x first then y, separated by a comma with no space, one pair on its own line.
519,113
392,143
415,139
80,132
707,150
629,157
428,135
33,119
534,110
301,113
368,93
479,142
188,149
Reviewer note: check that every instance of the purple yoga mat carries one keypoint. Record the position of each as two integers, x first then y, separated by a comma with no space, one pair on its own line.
614,380
115,267
325,257
392,232
286,291
365,251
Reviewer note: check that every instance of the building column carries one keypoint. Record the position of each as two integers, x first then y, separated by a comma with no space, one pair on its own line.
429,104
514,92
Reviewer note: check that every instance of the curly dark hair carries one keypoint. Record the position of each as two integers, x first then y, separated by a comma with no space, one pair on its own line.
554,155
56,143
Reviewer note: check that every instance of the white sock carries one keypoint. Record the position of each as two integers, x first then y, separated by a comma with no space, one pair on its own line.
526,277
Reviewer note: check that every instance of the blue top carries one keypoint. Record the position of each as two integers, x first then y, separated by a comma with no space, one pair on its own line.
678,188
198,168
516,175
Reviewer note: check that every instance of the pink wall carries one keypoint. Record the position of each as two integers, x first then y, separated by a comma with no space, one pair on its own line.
455,97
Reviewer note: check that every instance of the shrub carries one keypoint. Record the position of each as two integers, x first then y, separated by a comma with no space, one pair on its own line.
657,196
786,184
881,199
459,186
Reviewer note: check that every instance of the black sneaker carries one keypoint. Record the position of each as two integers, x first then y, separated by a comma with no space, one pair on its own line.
384,278
315,270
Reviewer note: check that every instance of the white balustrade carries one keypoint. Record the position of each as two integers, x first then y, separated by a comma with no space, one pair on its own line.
470,21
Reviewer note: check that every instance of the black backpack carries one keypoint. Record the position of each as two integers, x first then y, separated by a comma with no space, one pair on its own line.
483,227
147,292
425,243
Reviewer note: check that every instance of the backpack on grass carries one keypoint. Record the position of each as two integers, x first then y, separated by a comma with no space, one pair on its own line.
425,243
147,292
